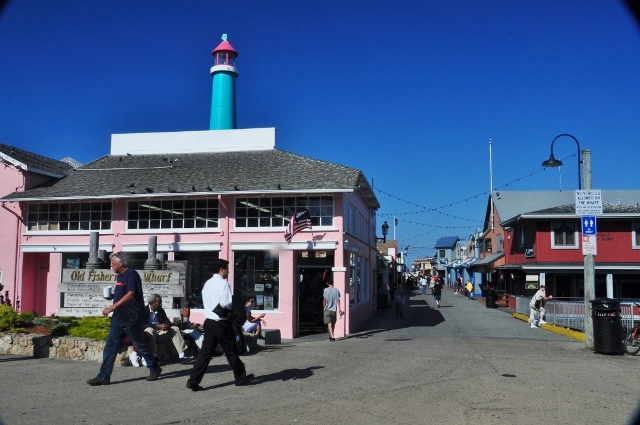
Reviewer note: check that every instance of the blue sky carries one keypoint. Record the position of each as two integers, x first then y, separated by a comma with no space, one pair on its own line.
410,92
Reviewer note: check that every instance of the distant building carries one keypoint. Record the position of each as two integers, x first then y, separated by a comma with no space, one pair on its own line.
532,237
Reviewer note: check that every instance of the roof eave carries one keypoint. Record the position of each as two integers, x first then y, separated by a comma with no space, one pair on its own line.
172,194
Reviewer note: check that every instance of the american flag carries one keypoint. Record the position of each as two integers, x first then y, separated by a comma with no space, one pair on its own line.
300,220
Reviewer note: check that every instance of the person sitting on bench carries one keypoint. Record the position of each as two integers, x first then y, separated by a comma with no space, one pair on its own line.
160,328
252,324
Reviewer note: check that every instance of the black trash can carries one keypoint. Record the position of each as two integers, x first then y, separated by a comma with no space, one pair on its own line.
607,326
490,298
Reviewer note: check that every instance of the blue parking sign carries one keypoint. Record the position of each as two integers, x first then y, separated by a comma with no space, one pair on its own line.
589,225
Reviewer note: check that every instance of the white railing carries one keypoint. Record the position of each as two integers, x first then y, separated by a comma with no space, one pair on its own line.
570,313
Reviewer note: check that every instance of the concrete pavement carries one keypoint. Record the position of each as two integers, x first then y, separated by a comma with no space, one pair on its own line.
460,364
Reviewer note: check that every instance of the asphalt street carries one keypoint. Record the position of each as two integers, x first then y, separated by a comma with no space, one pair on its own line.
460,364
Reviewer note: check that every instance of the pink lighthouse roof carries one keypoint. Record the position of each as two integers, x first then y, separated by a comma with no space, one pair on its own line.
225,46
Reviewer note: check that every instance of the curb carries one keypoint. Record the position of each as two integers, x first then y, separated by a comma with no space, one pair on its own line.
554,328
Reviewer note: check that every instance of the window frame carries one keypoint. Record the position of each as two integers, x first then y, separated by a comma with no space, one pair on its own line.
274,213
69,217
527,235
635,235
576,239
168,213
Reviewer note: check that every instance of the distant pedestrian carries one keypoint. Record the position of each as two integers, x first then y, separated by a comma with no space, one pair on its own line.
469,288
458,287
217,301
423,284
399,297
128,320
331,306
437,292
537,304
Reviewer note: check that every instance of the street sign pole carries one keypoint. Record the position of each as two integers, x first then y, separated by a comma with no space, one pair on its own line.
589,263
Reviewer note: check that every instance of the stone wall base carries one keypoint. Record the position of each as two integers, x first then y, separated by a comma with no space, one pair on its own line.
59,347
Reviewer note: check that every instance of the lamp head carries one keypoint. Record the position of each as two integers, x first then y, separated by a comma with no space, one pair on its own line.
552,162
385,229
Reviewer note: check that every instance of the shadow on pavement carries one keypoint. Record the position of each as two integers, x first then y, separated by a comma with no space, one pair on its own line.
15,359
417,313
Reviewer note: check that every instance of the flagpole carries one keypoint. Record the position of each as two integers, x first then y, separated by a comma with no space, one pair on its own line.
491,182
395,220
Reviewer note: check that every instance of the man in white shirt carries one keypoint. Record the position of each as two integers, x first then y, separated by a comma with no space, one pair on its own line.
536,304
423,283
216,295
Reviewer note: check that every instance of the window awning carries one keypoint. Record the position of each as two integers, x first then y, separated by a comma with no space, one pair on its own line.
488,260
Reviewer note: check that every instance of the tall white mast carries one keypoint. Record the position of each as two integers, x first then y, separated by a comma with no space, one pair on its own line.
491,182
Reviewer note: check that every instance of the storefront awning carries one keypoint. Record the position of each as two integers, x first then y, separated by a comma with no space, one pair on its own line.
488,260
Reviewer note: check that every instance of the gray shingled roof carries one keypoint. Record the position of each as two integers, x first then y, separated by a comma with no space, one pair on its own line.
512,204
34,162
606,209
188,174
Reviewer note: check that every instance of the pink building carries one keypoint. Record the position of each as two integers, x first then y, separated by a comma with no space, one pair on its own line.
19,171
204,194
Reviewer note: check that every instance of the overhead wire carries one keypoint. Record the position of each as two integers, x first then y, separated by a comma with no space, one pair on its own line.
426,209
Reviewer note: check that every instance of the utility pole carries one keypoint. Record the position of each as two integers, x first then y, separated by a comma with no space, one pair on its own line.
589,263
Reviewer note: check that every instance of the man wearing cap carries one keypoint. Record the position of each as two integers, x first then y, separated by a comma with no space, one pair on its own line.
536,304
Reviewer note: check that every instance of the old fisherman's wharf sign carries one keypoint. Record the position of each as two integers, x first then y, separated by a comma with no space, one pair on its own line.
81,290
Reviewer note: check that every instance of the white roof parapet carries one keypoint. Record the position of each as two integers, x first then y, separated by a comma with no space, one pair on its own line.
185,142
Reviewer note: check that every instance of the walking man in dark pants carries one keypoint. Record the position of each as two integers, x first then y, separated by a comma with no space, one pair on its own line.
129,318
216,295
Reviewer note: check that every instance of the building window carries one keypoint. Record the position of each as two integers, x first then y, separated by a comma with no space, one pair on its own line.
488,247
528,235
256,274
199,267
636,234
277,212
359,280
173,214
564,235
72,216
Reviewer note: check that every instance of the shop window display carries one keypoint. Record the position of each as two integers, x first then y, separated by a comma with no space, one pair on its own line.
256,274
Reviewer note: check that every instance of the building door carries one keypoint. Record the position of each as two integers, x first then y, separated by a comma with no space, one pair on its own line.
310,289
312,267
35,277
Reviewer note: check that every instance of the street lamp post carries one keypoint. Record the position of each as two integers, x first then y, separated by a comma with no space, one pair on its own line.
553,162
584,164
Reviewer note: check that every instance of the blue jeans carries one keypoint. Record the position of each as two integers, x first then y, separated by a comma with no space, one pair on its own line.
424,289
117,333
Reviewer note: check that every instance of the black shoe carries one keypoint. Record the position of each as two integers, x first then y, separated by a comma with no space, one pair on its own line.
194,387
186,360
153,376
98,381
331,339
244,379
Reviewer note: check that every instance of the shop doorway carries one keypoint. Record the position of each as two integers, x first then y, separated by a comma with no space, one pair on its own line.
312,266
310,288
